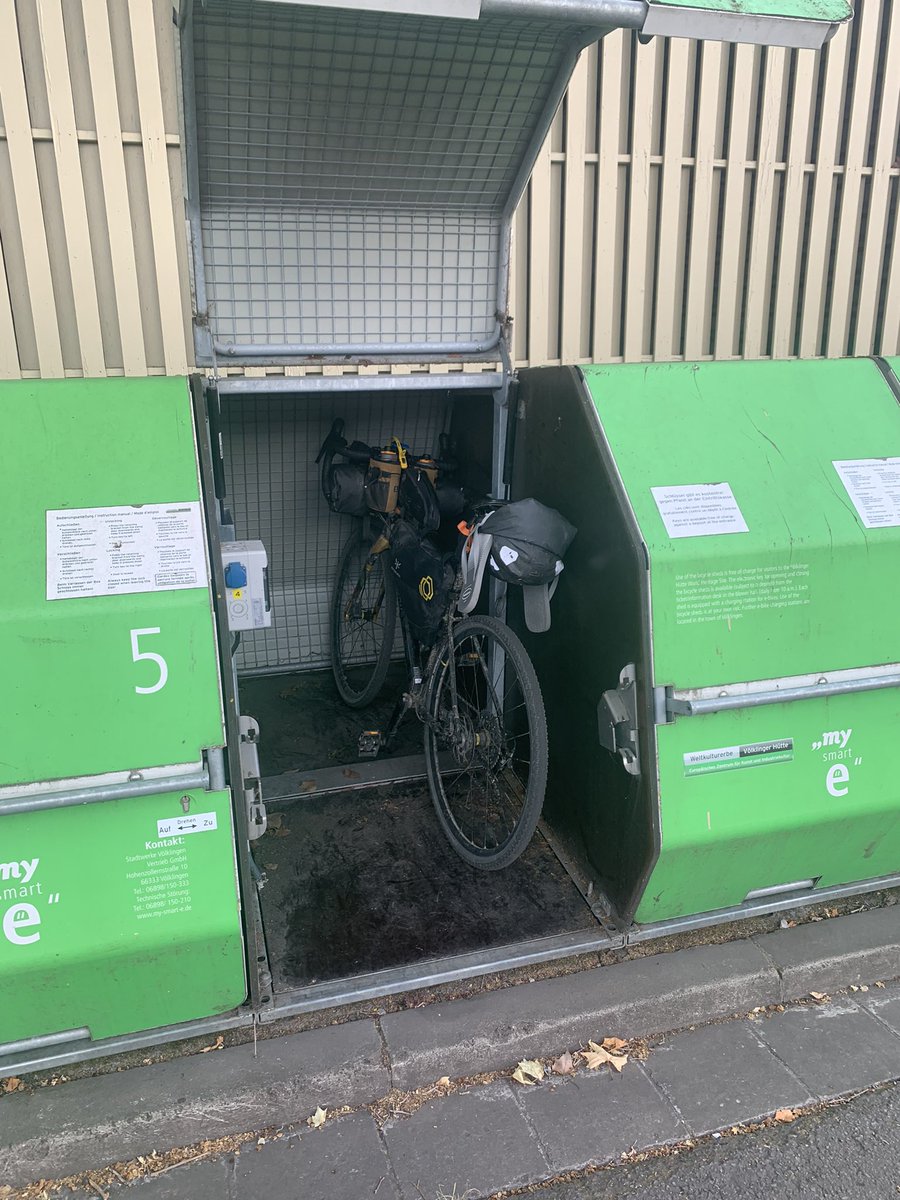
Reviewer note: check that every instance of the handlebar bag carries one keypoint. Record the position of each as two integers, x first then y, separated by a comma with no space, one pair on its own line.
346,489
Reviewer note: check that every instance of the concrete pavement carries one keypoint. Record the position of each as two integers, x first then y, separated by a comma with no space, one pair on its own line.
494,1134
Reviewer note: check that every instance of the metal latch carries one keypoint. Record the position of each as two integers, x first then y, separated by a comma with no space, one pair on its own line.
256,809
618,722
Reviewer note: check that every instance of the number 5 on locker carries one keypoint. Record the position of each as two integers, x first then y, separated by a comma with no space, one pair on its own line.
138,655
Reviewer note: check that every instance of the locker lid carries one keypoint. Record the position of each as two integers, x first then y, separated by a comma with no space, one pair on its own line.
354,167
801,24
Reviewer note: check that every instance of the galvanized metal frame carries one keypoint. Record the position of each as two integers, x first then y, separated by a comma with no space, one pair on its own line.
758,908
69,797
256,955
238,385
597,18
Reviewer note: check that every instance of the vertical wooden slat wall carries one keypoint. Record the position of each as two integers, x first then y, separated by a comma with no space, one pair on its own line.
746,201
93,268
691,201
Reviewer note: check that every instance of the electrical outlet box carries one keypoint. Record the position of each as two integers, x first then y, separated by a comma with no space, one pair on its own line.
246,569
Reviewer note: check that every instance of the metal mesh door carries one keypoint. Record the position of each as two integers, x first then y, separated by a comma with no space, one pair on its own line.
270,444
356,172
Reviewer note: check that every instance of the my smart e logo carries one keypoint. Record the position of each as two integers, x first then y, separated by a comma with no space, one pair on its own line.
21,920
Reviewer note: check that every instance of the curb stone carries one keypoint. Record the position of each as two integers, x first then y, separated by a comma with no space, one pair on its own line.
117,1116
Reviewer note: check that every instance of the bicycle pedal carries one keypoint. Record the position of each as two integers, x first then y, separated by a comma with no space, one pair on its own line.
370,742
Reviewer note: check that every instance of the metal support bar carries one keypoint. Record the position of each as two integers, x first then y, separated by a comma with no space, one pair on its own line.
215,762
301,350
758,908
463,381
45,1040
109,791
611,14
838,687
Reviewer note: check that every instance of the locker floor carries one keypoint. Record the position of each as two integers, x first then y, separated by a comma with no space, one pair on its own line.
364,880
304,725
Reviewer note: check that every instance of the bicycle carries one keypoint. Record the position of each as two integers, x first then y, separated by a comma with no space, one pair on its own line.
474,689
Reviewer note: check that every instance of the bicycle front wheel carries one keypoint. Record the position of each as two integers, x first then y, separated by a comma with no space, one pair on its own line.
486,754
363,618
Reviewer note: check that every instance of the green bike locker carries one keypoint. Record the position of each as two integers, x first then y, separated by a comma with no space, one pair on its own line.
728,743
364,221
119,904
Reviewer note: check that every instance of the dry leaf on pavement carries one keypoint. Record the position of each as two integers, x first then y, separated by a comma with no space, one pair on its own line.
444,1081
12,1084
317,1120
614,1044
528,1072
595,1056
786,1115
218,1044
564,1065
820,997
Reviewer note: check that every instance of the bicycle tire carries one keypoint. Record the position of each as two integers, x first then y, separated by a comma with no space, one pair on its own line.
362,644
476,746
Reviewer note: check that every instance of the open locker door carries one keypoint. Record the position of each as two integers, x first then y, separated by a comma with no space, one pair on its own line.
119,904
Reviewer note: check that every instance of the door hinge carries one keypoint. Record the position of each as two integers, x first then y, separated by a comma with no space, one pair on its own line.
256,809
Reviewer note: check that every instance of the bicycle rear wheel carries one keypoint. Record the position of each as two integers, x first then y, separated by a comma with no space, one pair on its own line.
486,759
363,618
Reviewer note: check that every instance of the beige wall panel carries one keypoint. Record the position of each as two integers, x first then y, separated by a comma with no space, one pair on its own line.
794,192
574,263
124,297
610,200
67,162
147,62
9,359
15,282
37,280
785,238
670,251
700,266
876,256
691,202
754,326
849,213
91,202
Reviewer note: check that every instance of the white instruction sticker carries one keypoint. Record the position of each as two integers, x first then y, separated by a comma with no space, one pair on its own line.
189,823
873,484
699,509
118,551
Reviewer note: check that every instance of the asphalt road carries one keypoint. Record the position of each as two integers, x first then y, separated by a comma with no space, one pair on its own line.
848,1152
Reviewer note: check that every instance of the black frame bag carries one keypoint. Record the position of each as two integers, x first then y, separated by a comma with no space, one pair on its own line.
424,580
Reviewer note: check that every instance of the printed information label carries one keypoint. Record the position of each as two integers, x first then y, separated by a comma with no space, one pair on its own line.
731,758
122,550
873,484
699,509
189,823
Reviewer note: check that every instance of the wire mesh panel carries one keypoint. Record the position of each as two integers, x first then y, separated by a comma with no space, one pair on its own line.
354,169
270,445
